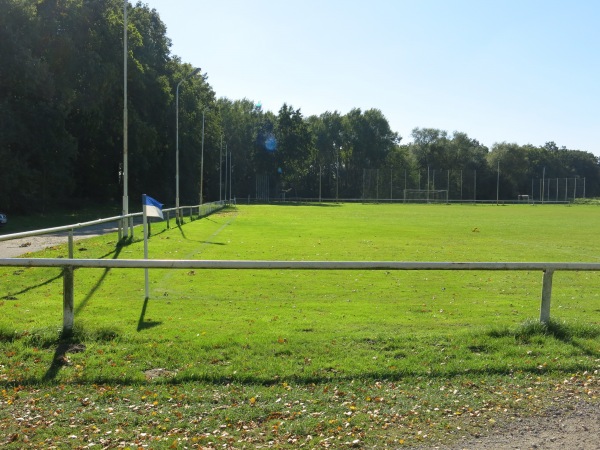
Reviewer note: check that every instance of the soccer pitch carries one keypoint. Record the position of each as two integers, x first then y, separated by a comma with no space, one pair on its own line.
256,308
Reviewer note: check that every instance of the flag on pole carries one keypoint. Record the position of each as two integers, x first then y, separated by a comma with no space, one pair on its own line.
152,208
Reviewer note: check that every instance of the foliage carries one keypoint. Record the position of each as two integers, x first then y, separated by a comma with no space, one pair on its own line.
61,127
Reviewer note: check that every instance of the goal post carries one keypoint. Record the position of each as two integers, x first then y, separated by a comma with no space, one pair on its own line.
425,196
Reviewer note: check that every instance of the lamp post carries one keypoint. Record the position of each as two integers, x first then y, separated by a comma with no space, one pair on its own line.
177,212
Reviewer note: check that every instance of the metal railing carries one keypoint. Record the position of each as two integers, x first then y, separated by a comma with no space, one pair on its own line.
69,265
200,210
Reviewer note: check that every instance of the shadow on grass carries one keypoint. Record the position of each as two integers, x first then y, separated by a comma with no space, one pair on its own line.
74,344
564,332
90,294
11,296
61,360
116,252
145,324
180,227
316,203
561,331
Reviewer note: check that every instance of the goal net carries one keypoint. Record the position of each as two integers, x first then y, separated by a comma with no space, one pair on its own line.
425,196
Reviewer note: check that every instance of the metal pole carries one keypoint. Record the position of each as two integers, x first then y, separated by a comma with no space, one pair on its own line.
498,183
543,181
125,120
145,227
427,184
202,160
177,153
226,175
68,282
337,176
320,176
546,296
70,240
221,170
177,212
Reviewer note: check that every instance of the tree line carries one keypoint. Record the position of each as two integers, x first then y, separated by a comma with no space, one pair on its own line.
61,126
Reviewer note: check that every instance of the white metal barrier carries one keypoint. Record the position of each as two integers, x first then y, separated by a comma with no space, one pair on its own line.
69,265
202,210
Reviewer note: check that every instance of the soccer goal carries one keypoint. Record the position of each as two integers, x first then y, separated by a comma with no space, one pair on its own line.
425,196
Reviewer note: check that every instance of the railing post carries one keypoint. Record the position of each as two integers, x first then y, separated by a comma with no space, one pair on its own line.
546,296
120,229
131,227
71,243
68,279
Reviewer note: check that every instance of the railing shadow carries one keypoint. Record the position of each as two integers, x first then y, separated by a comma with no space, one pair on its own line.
92,291
30,288
61,360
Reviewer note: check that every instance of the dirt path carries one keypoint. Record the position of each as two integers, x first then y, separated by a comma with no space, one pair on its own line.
570,428
18,247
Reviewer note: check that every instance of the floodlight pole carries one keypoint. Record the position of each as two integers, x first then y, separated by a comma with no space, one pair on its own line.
125,137
202,160
337,175
226,175
427,184
177,211
221,170
320,176
498,184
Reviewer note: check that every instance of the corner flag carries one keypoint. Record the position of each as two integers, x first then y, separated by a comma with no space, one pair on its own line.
152,208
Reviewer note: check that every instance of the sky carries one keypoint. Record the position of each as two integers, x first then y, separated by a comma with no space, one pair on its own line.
517,71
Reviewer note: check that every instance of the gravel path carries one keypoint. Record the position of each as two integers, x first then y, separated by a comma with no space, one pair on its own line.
574,428
18,247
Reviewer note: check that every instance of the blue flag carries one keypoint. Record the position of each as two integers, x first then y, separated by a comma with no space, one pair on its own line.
152,208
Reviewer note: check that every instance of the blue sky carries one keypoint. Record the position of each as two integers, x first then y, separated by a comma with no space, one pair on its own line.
522,71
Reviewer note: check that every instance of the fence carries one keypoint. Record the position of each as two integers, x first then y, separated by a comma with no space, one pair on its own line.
388,184
69,265
201,211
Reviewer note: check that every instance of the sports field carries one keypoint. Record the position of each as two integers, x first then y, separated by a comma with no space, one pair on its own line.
324,358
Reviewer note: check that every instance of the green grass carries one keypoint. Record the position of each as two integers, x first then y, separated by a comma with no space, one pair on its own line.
284,358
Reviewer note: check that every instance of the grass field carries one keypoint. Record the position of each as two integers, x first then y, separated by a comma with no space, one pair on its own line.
324,359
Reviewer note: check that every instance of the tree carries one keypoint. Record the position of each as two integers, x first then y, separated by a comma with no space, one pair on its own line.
512,163
328,138
368,141
294,151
